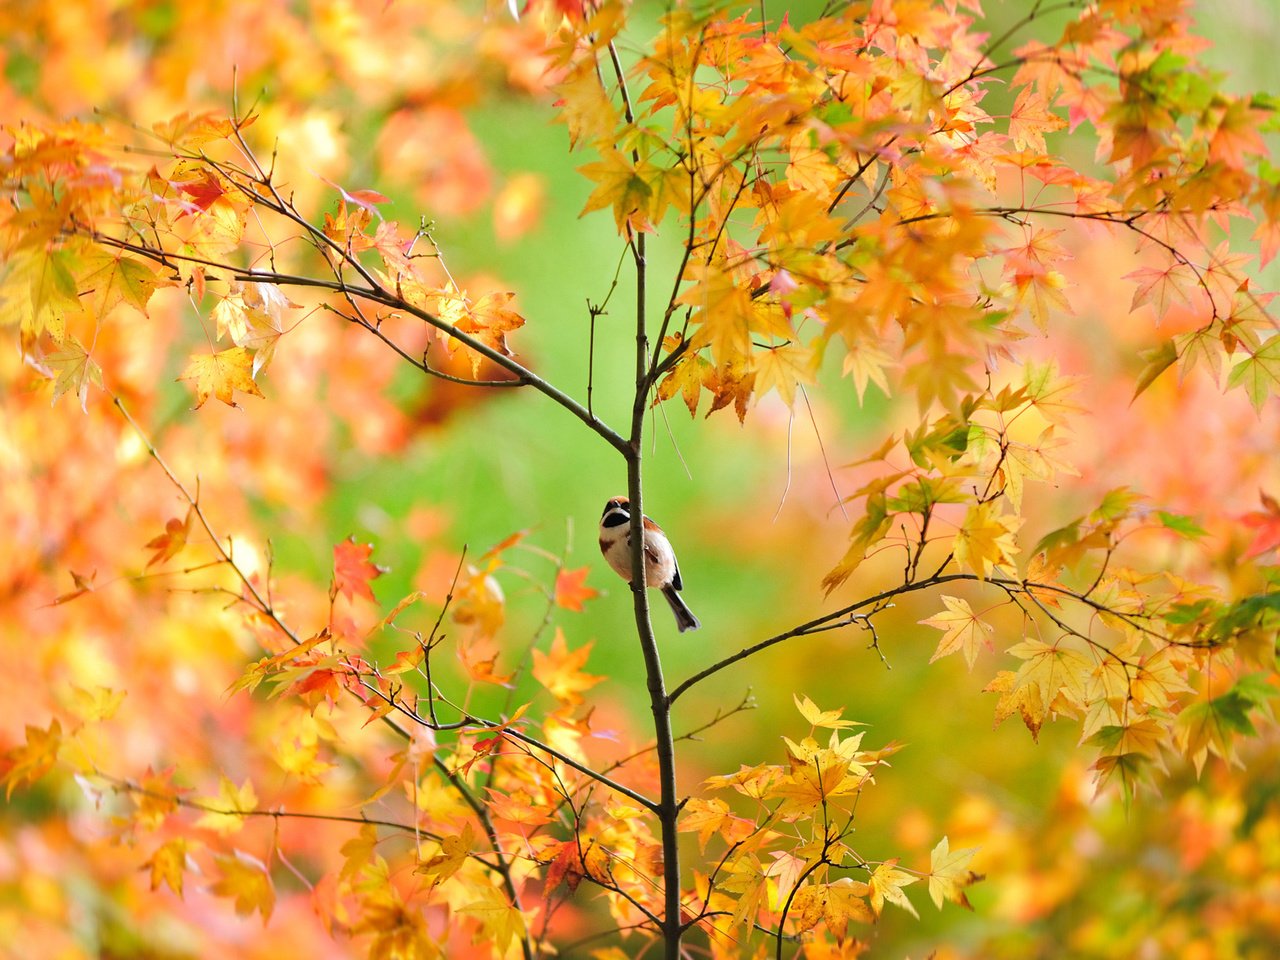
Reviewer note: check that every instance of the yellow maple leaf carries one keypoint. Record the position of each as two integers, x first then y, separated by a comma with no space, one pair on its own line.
74,370
97,704
961,630
221,374
986,539
109,279
949,874
245,879
836,903
822,718
784,368
865,361
1048,673
633,190
585,107
454,851
886,886
500,922
709,817
225,811
34,758
744,875
168,864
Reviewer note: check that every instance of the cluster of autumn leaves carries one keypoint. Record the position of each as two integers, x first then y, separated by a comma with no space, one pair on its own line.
843,197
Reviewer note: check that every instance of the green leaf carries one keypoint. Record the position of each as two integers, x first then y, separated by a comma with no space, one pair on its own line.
926,493
1062,537
1116,505
1181,614
1258,374
1180,524
1247,613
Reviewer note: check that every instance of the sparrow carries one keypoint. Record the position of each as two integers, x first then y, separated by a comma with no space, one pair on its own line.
660,567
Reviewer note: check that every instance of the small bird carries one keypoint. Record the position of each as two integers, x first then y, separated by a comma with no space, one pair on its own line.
660,567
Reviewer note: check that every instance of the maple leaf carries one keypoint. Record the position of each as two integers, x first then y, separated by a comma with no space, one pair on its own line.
710,817
961,630
886,885
560,670
784,368
949,874
106,279
454,851
221,374
479,600
1049,672
625,186
585,107
1031,119
204,190
96,705
365,199
489,320
358,852
1162,288
572,863
688,377
74,370
37,289
193,131
868,531
34,758
500,922
83,584
986,539
245,879
571,589
353,570
170,543
155,799
865,361
225,812
1267,524
829,719
518,807
168,864
1258,373
838,904
407,660
252,315
732,383
479,658
745,876
1212,725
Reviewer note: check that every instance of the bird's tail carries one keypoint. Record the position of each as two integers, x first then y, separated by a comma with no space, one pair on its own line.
685,620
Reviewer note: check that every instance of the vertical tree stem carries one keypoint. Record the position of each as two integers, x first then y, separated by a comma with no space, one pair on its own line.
668,806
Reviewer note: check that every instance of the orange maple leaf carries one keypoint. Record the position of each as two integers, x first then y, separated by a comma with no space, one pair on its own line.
1266,523
352,569
572,590
170,543
559,670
